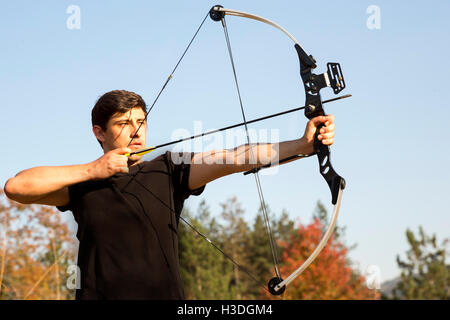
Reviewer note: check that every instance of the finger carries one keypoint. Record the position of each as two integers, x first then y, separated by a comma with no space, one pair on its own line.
122,150
325,136
318,120
119,161
329,128
123,169
329,119
327,142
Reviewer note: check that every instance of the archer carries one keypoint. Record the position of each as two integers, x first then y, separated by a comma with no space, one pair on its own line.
128,209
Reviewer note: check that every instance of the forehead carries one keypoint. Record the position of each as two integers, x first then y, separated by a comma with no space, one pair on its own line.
135,112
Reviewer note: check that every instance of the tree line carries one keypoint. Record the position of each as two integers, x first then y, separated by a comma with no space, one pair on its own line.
38,255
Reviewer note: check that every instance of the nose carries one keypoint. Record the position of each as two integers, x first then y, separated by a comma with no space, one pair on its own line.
136,129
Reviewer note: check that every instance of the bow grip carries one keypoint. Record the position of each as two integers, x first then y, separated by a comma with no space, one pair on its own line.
334,181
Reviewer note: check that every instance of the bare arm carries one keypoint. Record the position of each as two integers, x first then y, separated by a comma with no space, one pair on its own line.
45,185
49,185
208,166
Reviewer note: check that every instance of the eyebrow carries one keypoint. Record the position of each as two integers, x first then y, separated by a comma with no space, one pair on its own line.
127,120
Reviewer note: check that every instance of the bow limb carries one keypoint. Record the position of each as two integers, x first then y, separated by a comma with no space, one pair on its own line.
220,9
319,247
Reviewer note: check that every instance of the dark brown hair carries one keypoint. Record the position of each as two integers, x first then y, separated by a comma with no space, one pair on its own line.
116,101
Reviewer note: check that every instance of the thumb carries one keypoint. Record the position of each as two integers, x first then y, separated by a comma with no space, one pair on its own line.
318,120
123,150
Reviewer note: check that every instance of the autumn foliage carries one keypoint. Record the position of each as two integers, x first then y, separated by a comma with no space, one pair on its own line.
329,276
36,248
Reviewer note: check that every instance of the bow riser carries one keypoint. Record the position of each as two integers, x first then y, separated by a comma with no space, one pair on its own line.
313,83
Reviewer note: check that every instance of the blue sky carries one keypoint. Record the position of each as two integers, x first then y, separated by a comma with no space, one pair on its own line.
392,135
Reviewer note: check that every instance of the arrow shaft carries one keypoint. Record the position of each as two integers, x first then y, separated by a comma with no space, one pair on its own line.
146,150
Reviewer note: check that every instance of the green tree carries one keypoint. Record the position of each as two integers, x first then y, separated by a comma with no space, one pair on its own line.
260,256
283,229
235,239
425,274
205,273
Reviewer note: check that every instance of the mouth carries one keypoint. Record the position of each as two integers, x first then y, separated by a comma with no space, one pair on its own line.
136,145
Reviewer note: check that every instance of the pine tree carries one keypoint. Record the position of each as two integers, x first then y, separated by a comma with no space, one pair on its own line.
425,274
234,236
205,273
260,256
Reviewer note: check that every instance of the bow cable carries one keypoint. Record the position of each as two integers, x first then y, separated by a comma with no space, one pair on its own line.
252,157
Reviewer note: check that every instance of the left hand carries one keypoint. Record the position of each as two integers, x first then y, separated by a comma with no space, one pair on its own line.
326,134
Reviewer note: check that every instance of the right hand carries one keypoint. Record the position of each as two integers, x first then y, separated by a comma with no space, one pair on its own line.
111,163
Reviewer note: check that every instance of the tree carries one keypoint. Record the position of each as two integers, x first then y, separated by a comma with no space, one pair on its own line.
36,250
205,273
235,238
209,275
425,274
260,255
330,276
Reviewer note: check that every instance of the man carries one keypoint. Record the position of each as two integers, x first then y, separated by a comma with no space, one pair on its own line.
127,210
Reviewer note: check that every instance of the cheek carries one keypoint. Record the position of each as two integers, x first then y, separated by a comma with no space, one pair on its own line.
118,134
143,132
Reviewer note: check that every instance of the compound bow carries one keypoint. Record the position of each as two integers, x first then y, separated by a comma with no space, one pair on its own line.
312,83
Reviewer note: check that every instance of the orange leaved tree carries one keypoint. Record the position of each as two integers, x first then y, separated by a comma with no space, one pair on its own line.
330,276
36,249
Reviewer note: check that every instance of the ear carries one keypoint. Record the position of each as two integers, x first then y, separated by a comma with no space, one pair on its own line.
99,133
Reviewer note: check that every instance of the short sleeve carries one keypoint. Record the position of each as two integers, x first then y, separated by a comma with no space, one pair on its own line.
76,192
73,197
75,205
180,164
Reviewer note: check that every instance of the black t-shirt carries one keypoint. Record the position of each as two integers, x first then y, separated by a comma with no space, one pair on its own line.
127,228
